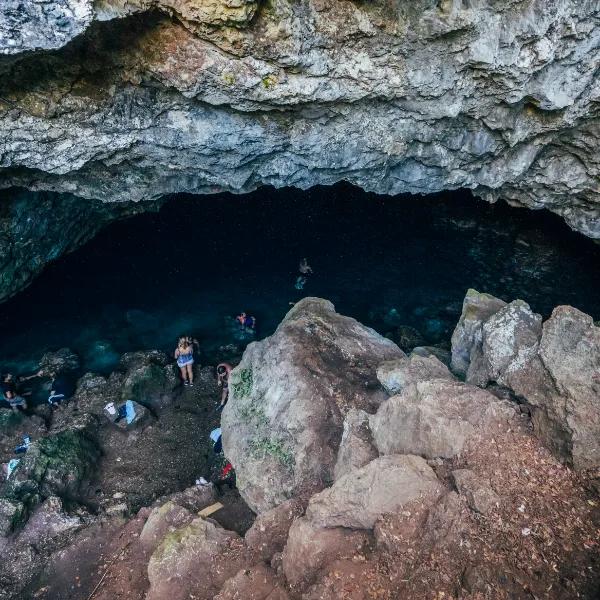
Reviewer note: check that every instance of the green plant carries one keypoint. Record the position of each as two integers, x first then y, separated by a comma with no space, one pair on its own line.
242,386
276,448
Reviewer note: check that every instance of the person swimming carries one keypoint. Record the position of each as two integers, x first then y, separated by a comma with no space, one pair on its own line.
300,282
184,355
246,321
304,267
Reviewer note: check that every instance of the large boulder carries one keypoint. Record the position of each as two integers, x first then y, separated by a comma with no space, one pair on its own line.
562,382
288,398
438,418
56,465
194,562
510,340
467,338
554,366
385,485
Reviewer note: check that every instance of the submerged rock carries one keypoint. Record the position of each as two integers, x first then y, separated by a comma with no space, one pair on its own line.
315,368
58,362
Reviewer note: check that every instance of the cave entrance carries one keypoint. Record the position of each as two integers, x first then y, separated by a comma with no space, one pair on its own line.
399,264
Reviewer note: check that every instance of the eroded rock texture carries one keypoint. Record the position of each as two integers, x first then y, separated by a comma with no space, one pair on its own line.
208,95
40,227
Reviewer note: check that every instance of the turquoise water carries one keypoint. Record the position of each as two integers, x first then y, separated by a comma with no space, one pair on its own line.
387,261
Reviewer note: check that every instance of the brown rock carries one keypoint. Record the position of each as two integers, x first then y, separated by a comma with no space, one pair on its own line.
477,492
310,549
269,532
255,583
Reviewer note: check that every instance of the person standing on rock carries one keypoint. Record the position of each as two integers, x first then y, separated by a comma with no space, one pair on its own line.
223,371
184,355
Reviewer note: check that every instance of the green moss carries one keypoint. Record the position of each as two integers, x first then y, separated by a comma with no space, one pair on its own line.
229,78
242,385
269,81
273,447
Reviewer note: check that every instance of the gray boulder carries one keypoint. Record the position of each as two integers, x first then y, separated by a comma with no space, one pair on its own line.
554,366
562,383
356,447
468,335
510,341
398,374
385,485
438,418
289,396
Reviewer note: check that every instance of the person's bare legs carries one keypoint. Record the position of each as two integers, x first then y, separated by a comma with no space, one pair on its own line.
183,373
190,372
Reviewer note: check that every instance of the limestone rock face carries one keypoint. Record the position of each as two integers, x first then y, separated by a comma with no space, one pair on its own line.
554,366
37,228
33,25
288,398
211,95
438,418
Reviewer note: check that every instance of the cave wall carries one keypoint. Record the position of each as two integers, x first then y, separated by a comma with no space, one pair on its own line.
134,99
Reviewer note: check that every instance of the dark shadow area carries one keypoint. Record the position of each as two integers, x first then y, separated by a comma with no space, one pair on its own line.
387,261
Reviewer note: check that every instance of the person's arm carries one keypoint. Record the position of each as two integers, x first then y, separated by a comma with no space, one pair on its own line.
176,353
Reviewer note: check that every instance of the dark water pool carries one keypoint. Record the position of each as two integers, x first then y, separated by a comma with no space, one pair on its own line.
386,261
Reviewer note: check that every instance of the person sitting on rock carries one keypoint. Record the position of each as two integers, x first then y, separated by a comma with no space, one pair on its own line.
223,371
246,321
184,355
62,389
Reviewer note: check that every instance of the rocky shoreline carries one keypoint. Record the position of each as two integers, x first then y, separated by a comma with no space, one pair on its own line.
362,471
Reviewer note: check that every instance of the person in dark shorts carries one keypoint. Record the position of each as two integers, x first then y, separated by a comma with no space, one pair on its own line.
223,371
62,389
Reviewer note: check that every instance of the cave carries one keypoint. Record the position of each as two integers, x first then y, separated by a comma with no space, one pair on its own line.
299,300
